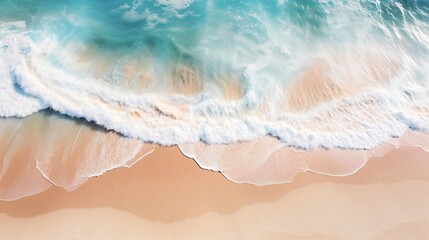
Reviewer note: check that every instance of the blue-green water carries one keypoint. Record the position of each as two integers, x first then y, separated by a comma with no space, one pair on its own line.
110,61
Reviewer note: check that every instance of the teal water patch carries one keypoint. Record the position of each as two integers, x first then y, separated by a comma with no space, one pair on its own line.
267,39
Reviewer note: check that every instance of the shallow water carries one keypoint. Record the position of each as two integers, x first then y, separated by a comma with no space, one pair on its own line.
47,149
313,74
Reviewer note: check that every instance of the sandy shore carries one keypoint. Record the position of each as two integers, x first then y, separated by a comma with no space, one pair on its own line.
167,196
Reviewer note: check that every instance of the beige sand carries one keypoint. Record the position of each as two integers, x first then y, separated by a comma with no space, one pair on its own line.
343,75
312,88
167,196
266,161
48,149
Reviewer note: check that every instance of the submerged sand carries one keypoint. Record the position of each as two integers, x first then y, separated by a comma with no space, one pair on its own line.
167,196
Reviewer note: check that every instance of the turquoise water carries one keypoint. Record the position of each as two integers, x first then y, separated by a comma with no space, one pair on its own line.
102,60
216,36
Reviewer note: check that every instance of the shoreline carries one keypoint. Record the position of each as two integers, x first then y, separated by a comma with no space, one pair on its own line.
67,152
167,193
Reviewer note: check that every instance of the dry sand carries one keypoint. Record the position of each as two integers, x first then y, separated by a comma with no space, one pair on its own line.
167,196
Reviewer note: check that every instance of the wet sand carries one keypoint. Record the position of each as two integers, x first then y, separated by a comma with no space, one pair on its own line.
339,76
167,196
47,149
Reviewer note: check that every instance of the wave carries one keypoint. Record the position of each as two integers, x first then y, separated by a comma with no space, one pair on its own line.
13,100
308,75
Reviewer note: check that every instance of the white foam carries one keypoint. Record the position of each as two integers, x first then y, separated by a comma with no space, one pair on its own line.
137,11
15,48
175,4
355,122
375,121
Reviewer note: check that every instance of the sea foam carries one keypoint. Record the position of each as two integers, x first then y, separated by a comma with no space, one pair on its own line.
15,47
351,86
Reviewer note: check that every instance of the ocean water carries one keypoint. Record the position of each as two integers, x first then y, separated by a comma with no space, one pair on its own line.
313,74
